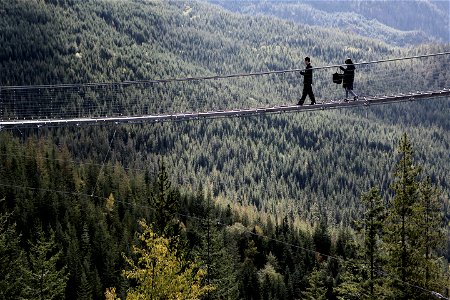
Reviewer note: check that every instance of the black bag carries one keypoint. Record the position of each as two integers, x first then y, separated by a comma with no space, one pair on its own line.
337,78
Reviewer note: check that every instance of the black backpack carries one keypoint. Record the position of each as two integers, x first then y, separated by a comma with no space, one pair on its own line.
337,78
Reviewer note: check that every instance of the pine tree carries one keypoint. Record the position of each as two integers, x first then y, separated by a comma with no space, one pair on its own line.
271,281
84,291
165,202
316,289
413,231
430,219
402,232
322,238
350,281
13,265
248,276
372,230
44,279
223,271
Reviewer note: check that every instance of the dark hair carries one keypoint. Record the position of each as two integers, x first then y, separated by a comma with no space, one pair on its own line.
348,61
307,59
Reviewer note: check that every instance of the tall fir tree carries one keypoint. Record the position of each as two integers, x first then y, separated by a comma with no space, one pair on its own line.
402,232
13,265
249,288
223,270
412,230
430,219
166,203
45,279
374,217
316,289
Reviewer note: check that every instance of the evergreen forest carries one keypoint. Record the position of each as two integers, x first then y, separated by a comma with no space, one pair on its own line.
342,204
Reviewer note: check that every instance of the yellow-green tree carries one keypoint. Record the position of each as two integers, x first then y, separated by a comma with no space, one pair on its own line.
161,273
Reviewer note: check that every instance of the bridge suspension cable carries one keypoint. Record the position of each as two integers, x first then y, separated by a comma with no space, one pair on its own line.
199,78
193,98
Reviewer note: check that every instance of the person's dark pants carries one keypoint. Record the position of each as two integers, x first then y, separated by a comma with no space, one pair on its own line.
307,91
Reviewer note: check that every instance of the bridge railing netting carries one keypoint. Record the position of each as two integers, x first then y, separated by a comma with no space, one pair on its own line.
171,97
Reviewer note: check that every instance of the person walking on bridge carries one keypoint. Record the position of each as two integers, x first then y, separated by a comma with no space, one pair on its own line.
349,78
307,83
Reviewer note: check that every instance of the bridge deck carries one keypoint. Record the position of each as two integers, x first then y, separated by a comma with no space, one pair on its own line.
365,101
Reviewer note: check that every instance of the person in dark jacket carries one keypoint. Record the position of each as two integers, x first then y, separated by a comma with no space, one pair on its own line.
349,77
307,83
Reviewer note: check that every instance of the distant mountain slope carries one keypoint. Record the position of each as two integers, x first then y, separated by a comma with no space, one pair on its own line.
394,22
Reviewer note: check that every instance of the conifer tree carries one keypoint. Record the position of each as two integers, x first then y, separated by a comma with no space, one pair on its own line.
372,231
219,251
349,285
322,238
402,232
413,231
271,281
250,288
13,266
430,219
165,202
84,291
44,279
316,289
223,266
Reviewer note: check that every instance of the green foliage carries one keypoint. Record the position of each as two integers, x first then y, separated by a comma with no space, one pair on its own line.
316,289
291,168
430,220
261,260
402,231
416,22
373,225
412,232
350,283
322,238
165,203
271,281
113,41
13,264
45,280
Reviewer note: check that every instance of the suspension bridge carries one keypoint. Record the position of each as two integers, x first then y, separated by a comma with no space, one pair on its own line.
147,101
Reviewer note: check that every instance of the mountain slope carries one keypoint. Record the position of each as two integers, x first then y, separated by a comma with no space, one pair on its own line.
394,22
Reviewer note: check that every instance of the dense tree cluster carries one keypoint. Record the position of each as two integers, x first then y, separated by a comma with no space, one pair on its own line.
262,204
288,162
68,230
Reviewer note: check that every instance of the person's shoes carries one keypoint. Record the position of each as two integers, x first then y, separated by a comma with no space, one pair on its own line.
313,103
355,98
300,103
345,100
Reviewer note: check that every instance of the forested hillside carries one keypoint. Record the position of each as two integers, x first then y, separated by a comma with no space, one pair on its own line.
67,231
283,191
394,22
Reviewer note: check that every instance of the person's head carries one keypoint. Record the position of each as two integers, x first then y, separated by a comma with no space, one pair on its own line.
307,60
348,61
